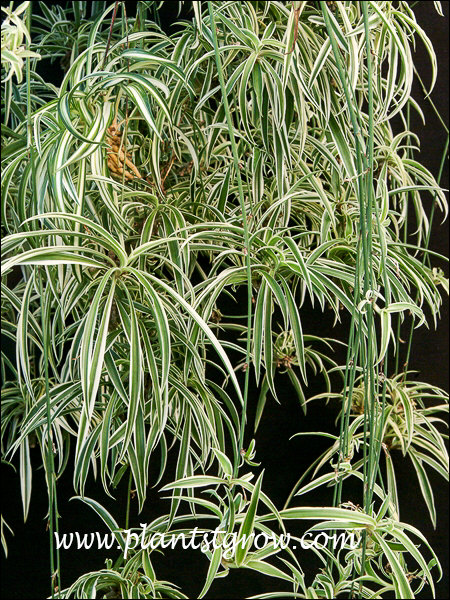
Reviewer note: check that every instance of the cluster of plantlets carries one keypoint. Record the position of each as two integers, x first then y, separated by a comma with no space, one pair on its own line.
253,148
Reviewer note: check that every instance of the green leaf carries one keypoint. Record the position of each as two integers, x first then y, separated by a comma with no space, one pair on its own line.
246,528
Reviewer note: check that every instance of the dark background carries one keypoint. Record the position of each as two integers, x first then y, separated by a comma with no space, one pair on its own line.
25,574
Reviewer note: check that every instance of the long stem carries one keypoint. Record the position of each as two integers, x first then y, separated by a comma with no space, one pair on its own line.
433,106
50,471
364,165
245,230
108,43
360,165
55,575
370,324
369,475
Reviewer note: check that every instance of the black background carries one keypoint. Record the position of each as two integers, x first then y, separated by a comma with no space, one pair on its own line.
25,574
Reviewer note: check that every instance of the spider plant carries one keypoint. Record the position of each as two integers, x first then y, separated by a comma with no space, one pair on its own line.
262,148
